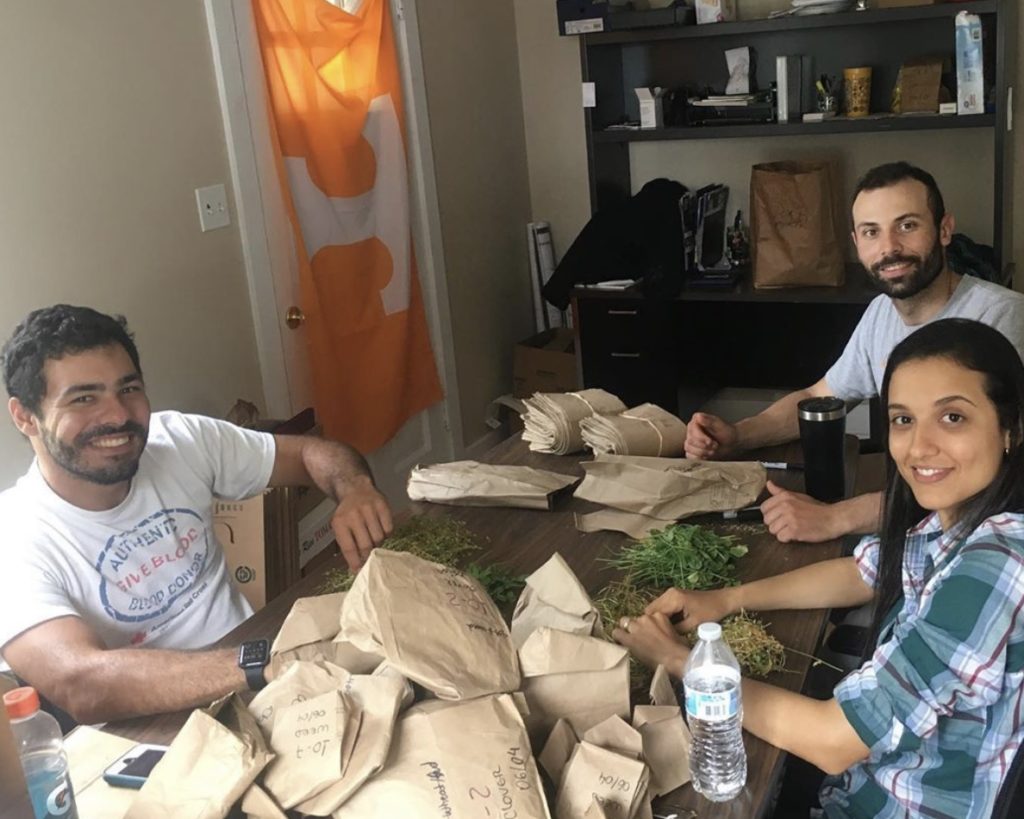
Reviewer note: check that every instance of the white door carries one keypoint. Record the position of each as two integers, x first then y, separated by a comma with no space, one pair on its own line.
268,242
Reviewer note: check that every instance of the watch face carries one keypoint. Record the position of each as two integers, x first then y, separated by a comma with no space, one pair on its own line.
254,654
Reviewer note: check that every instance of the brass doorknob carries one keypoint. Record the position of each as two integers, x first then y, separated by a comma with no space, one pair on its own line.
294,317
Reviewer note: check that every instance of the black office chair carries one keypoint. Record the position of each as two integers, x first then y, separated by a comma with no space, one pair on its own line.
1010,801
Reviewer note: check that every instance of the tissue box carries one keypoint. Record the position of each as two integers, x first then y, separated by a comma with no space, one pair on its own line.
651,113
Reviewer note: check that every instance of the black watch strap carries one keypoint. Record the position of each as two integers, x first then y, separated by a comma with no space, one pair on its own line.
253,656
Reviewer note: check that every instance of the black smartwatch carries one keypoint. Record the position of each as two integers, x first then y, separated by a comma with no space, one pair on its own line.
253,656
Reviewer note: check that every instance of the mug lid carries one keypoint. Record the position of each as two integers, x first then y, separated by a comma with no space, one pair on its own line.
828,408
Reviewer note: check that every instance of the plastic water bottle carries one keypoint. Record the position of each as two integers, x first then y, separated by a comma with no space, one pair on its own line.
41,749
711,683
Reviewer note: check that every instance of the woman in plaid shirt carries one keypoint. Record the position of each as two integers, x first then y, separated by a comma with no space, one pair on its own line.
930,723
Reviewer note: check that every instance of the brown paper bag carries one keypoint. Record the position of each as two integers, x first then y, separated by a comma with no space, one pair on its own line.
433,624
204,772
581,679
797,226
258,804
555,598
300,681
615,734
617,782
551,422
666,743
643,430
469,483
670,489
468,758
557,750
663,691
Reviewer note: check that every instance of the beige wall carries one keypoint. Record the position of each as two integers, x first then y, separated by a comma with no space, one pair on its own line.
110,121
557,150
471,72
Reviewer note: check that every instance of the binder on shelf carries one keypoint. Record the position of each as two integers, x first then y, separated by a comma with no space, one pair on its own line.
789,86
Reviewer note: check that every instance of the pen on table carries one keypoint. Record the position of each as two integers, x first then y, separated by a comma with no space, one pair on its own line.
746,513
780,465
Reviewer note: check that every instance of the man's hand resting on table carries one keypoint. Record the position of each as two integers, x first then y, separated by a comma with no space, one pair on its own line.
708,437
794,516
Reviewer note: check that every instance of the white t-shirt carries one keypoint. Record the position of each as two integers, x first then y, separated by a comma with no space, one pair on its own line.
859,371
148,572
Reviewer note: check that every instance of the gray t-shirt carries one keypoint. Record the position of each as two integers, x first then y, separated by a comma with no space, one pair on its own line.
857,374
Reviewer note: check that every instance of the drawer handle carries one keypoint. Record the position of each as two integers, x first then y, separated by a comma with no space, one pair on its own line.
622,312
625,355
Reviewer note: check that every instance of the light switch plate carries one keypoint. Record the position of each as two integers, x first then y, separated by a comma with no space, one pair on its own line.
212,202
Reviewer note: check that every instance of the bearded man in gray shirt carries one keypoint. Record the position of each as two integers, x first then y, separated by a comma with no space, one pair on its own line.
901,231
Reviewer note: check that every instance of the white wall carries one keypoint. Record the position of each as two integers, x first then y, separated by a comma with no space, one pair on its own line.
110,120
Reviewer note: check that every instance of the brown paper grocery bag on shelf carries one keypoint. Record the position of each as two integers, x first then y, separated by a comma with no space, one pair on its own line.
470,483
797,224
204,772
469,758
433,624
555,598
581,679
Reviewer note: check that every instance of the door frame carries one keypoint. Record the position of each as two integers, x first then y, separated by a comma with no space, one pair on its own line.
236,108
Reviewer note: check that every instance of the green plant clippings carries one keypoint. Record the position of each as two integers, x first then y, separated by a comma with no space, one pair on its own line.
685,556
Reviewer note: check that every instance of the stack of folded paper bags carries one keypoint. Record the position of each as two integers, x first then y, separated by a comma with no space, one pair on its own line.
409,696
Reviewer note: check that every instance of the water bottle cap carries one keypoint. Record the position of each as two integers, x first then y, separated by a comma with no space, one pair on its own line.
709,631
21,702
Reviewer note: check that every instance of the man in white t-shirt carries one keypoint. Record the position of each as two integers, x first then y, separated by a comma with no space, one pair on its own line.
901,230
112,578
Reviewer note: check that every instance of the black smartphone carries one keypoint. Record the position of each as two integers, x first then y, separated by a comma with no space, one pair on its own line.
132,769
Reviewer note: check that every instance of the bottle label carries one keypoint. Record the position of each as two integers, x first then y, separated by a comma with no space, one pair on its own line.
52,797
712,707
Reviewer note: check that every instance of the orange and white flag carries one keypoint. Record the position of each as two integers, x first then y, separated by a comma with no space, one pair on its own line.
335,96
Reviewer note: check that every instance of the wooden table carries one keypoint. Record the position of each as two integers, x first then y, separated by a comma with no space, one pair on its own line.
524,539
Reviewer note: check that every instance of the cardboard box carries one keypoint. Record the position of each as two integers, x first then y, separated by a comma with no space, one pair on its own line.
545,362
651,108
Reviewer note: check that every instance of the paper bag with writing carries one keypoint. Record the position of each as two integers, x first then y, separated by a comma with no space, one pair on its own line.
380,697
299,682
555,598
552,419
797,224
643,430
618,783
666,745
204,772
470,483
468,758
309,633
434,624
581,679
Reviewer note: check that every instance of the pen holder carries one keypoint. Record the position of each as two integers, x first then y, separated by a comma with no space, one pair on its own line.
857,91
827,103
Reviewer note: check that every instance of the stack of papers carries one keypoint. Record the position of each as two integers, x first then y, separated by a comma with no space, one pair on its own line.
552,419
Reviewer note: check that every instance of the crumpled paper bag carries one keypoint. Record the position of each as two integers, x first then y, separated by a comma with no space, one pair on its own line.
643,430
653,492
207,767
557,750
581,679
663,691
258,804
469,758
434,624
470,483
618,783
552,420
554,597
309,633
615,734
666,745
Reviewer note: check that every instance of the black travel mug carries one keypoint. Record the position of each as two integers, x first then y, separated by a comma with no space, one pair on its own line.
822,430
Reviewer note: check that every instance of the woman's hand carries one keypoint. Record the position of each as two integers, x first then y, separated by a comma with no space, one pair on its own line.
688,609
652,640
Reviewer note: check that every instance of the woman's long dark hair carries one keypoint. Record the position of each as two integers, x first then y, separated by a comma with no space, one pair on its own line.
983,349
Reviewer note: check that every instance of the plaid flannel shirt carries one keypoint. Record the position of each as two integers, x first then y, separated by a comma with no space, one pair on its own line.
940,704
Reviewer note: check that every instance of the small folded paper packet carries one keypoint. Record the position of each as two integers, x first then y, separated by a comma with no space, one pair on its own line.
615,734
552,420
206,769
653,492
618,783
557,750
643,430
469,758
666,745
583,680
555,598
309,633
433,624
470,483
